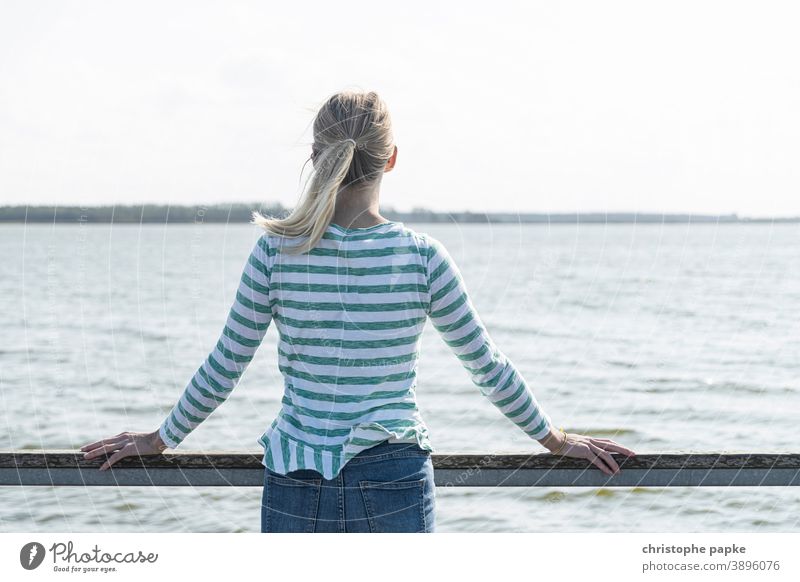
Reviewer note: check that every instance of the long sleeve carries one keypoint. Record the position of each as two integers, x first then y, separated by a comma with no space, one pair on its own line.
218,375
453,315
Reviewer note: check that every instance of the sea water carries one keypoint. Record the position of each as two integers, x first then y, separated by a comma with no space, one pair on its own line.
666,338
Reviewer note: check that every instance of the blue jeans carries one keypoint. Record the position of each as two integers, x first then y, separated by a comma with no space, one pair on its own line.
386,488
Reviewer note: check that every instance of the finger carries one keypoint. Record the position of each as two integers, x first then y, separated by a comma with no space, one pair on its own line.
103,449
599,460
122,453
110,447
596,460
94,445
606,456
587,453
610,445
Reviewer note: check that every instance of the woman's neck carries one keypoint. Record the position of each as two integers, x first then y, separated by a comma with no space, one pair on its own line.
358,207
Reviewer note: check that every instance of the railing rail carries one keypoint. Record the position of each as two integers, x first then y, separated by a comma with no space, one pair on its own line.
237,469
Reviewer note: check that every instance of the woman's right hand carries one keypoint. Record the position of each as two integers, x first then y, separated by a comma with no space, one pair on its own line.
594,449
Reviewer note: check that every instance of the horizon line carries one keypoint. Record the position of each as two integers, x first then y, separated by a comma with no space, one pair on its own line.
237,212
414,210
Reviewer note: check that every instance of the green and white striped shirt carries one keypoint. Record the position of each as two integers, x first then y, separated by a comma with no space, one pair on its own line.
349,315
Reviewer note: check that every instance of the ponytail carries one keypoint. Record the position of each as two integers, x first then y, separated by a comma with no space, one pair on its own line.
352,142
315,211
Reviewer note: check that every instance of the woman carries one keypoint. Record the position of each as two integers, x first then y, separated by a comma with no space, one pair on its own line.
350,293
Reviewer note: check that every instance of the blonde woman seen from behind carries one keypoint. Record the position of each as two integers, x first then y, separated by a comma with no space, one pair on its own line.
350,293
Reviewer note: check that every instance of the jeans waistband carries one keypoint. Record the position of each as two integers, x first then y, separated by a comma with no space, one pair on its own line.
386,449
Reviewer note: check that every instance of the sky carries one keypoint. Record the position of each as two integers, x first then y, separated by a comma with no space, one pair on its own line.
496,106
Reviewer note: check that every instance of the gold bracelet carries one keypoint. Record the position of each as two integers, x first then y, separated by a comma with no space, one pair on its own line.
564,442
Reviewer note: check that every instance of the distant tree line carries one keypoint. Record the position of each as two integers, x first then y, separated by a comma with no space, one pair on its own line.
242,213
138,213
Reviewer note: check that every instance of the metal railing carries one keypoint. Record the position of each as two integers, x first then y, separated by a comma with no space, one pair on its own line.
236,469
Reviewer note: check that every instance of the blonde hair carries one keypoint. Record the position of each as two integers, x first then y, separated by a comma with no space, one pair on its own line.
352,142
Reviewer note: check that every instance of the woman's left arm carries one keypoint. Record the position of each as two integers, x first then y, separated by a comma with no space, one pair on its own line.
215,379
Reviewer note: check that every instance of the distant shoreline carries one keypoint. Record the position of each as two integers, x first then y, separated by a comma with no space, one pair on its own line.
238,213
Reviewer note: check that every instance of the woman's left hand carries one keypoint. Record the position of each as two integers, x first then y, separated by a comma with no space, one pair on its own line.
125,444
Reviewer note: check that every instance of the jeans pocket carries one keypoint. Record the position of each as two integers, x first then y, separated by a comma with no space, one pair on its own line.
289,504
394,506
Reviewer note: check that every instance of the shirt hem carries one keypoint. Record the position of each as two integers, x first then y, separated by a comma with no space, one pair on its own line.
284,453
